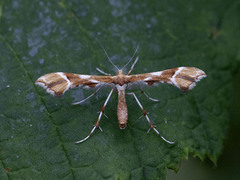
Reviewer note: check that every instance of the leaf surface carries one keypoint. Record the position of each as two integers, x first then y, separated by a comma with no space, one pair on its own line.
38,131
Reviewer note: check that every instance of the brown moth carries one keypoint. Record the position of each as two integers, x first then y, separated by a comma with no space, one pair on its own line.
58,83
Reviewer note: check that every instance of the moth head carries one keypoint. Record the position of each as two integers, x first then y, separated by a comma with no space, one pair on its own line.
120,72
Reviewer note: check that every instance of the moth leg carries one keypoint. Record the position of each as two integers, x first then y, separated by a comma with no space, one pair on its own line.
147,118
96,125
101,71
152,99
93,94
134,63
103,114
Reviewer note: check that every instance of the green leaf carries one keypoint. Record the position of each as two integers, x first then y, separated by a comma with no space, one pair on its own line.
38,131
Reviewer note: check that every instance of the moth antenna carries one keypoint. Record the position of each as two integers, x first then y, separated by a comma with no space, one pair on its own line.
132,56
107,55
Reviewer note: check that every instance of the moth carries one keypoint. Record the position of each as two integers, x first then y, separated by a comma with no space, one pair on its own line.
57,83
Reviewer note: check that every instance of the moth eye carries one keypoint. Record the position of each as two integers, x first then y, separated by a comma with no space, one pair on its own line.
150,82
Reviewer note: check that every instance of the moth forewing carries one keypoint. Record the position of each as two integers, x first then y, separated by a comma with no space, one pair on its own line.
54,83
58,83
184,78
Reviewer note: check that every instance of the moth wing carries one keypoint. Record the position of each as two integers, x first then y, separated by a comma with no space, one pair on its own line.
58,83
184,78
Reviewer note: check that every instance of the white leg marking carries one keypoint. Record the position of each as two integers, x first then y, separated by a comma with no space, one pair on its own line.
87,97
77,142
98,121
152,99
147,118
101,71
136,60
